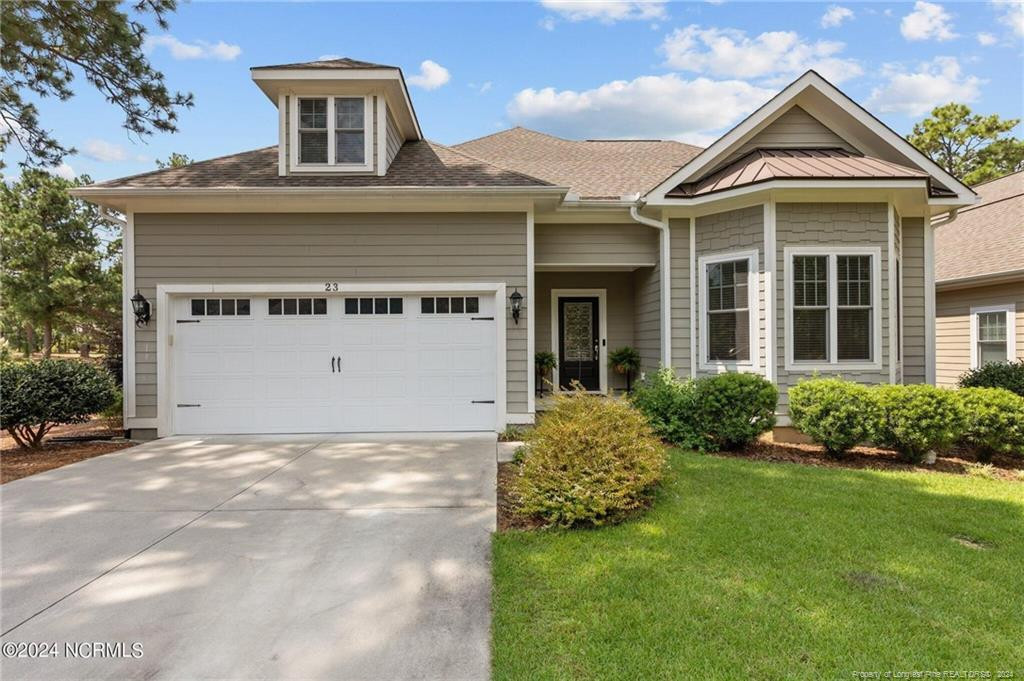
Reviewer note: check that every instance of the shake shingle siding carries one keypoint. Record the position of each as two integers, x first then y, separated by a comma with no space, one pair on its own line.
302,248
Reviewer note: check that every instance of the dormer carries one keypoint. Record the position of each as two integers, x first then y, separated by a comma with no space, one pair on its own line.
338,115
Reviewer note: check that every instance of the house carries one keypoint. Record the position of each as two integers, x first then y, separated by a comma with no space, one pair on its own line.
359,277
979,281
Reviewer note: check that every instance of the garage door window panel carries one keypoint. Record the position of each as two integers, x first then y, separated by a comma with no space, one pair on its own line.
219,307
296,306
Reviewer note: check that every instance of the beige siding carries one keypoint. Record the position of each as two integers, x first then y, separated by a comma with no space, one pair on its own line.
736,230
647,322
912,250
794,129
300,248
394,138
680,259
619,313
612,244
953,326
828,224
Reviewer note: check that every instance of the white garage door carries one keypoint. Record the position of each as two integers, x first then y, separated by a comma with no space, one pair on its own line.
307,363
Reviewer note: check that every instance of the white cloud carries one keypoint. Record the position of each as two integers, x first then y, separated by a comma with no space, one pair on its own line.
328,57
927,21
986,39
778,54
431,76
933,83
1011,13
835,15
199,49
606,11
548,23
102,150
646,107
63,170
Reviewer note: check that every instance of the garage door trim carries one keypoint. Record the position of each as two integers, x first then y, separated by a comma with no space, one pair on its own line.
165,326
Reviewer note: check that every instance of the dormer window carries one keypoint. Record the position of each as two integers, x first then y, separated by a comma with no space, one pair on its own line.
331,134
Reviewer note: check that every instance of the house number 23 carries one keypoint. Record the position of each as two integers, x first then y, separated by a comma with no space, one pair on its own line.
330,286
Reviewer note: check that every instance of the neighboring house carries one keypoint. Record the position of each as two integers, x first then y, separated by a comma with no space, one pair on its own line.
979,278
357,277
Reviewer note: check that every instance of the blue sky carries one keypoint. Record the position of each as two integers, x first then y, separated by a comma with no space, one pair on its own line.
686,71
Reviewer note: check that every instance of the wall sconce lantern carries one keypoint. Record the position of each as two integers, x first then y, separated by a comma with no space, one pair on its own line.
140,306
517,304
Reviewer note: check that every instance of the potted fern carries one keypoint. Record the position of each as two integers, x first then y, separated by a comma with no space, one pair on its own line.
625,361
543,362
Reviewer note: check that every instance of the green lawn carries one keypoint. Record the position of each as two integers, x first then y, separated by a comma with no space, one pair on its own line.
757,570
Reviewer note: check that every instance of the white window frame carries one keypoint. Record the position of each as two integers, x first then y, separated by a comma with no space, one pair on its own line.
753,305
331,166
1011,330
833,363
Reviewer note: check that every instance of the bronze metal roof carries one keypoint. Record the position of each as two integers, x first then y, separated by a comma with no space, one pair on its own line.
341,63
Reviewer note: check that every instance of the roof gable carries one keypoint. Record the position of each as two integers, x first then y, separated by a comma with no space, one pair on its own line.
827,106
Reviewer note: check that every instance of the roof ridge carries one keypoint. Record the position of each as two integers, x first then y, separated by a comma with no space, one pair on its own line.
491,163
193,163
996,179
514,127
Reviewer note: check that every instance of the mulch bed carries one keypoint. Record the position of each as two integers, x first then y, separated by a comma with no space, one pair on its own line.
508,519
16,463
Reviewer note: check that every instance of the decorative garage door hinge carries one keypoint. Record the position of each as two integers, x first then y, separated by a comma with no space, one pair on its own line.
190,405
189,321
482,402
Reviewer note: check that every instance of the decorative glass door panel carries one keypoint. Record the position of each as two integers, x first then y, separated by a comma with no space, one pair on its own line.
578,348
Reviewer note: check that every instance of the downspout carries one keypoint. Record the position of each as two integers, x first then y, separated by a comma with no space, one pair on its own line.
666,279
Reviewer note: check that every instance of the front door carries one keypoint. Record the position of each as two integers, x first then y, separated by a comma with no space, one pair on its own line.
578,349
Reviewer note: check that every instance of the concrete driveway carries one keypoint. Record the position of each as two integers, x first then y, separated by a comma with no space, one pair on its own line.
274,557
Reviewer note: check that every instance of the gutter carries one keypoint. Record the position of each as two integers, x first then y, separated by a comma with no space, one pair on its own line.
666,278
990,279
85,192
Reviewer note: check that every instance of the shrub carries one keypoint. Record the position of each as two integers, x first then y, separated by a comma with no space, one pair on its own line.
993,421
836,414
1006,375
670,405
590,460
915,419
734,408
40,395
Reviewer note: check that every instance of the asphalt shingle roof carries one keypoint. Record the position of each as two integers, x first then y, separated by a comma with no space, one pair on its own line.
986,238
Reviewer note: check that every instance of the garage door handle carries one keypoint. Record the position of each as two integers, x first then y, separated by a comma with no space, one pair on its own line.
333,360
482,402
481,319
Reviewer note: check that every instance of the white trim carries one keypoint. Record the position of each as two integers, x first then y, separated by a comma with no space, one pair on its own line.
591,266
381,131
531,321
929,303
137,422
876,303
282,131
693,297
331,166
128,317
602,320
1010,309
753,311
770,320
780,103
891,276
165,293
519,419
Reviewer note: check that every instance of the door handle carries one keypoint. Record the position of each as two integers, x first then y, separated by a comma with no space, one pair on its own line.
597,353
332,365
339,364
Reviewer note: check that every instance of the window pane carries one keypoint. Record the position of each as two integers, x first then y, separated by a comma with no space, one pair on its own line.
366,306
305,306
442,305
313,147
992,326
319,306
274,306
348,112
427,305
198,307
313,113
854,333
290,306
351,306
810,334
212,307
991,353
810,280
472,305
729,336
227,306
380,306
349,147
458,305
242,306
396,306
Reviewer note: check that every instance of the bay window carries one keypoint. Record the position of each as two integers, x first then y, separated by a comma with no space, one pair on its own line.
833,308
993,337
331,134
729,295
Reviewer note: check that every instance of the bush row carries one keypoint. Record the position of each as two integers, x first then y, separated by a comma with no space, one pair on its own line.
911,419
726,411
1007,375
